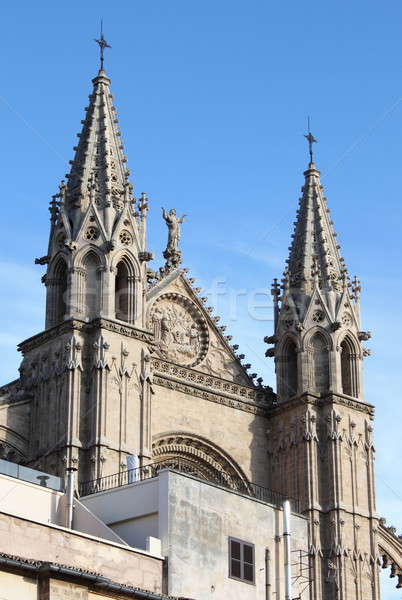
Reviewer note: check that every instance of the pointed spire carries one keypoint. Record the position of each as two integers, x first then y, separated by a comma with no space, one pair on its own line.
314,253
98,172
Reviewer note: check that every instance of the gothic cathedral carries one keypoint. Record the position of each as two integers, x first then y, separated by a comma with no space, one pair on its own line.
132,363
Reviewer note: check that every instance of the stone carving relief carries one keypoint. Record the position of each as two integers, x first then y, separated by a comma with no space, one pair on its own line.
195,455
221,364
180,330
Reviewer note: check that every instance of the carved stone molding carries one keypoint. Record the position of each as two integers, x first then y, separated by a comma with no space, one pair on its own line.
78,325
202,381
127,330
51,334
197,453
210,396
315,400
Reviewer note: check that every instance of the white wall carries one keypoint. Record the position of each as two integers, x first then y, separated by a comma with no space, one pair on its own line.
136,531
17,587
131,511
31,501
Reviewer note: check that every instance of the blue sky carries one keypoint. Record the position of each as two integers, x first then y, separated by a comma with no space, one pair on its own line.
213,99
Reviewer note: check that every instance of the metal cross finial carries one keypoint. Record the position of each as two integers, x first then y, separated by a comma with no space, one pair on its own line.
311,140
102,45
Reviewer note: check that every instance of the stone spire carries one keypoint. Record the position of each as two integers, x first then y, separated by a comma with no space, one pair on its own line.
98,171
314,253
317,305
320,424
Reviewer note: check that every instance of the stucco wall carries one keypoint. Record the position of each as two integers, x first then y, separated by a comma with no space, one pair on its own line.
201,518
130,511
30,501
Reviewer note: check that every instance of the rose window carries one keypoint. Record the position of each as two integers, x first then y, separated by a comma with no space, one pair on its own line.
318,316
91,234
125,237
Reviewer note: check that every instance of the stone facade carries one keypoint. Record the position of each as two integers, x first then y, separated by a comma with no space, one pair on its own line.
132,362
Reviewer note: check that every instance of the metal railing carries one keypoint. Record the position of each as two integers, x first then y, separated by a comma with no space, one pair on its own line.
220,478
116,480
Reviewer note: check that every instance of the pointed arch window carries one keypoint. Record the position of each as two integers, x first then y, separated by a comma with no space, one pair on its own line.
61,291
125,291
349,374
290,375
56,284
320,364
92,293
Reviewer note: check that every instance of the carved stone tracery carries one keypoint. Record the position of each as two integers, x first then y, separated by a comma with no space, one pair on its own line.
180,330
197,456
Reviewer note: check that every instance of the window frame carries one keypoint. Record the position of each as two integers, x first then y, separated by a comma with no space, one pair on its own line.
241,560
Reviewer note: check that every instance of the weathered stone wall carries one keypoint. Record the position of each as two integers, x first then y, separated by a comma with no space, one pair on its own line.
14,427
28,539
239,433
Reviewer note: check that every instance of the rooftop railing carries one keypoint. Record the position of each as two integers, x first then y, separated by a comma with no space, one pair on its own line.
219,478
32,475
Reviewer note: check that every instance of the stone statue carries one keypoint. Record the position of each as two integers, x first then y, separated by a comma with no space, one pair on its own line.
173,223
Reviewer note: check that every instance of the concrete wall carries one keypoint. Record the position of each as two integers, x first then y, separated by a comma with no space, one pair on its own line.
128,510
195,527
30,501
136,531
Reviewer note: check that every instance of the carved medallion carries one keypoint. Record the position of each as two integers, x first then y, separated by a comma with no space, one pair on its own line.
318,316
180,329
347,319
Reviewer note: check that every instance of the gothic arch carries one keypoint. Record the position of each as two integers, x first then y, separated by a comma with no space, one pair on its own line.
12,445
56,284
91,280
349,356
287,367
319,363
128,257
312,333
125,288
198,456
83,253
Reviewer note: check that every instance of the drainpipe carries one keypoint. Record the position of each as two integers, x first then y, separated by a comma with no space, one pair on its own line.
70,496
286,538
267,574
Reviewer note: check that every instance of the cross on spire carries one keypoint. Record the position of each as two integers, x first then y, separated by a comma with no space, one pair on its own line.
102,45
311,140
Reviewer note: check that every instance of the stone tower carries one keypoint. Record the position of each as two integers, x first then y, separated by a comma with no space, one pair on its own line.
95,283
320,433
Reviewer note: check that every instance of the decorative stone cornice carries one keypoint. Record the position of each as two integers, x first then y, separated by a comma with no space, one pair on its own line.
123,329
77,325
319,401
50,334
210,388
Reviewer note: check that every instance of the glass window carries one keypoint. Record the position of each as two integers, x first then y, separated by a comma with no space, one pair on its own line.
241,560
